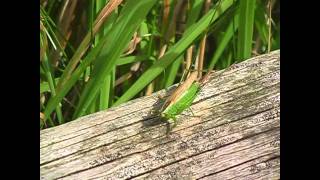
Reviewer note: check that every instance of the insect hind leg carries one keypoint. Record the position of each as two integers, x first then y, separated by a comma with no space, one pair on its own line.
191,113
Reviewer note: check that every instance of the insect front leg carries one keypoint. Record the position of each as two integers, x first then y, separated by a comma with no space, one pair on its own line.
171,123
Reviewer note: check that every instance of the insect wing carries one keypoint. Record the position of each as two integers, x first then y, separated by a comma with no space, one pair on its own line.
180,89
183,102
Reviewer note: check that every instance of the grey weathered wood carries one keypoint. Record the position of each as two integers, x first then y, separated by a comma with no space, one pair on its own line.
233,135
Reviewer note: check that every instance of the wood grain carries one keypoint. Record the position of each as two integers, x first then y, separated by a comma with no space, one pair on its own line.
235,133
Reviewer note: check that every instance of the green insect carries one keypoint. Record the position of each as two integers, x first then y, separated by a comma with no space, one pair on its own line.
181,98
184,101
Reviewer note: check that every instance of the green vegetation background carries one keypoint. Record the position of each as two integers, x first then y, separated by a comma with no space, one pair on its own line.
100,53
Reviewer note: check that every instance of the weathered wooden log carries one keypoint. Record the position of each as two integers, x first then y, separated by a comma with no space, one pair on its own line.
234,133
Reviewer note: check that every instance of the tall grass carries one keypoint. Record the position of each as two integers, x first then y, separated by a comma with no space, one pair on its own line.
101,53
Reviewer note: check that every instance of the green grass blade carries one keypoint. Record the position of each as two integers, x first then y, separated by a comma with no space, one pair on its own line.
130,18
44,86
75,76
232,27
52,28
105,92
190,35
261,22
229,59
93,41
143,31
172,72
67,73
194,12
52,85
245,34
87,76
106,86
131,59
